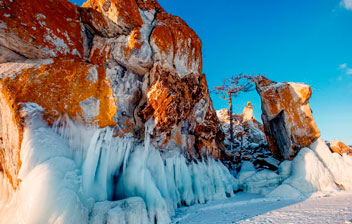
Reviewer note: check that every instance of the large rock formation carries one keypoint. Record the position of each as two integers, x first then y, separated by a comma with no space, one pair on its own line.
287,117
110,63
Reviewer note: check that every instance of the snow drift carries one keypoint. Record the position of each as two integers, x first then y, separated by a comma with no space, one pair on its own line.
78,174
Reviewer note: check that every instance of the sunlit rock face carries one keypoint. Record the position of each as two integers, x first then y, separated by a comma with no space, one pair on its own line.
42,29
339,147
108,63
105,115
288,121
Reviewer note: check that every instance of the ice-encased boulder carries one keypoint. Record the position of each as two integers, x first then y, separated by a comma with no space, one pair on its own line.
108,63
287,117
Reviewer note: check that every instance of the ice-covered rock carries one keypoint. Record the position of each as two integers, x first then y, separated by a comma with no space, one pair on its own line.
249,141
108,63
309,174
261,182
130,210
118,97
69,172
287,117
339,166
285,169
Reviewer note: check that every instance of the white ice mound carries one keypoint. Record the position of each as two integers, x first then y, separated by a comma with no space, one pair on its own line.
255,182
339,166
307,175
76,174
130,210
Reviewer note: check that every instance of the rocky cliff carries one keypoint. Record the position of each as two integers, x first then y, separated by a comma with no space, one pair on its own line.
287,117
108,63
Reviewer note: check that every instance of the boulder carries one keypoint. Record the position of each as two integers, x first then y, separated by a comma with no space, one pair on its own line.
287,117
339,147
109,63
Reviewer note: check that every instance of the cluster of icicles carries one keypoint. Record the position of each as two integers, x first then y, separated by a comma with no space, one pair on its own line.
77,174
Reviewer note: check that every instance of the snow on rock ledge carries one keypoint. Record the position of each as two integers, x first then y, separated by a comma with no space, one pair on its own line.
287,117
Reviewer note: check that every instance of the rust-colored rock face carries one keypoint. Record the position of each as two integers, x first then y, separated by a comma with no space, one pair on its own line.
110,63
287,117
42,29
340,147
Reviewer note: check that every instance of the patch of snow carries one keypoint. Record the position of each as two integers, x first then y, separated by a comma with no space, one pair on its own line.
90,108
59,43
93,74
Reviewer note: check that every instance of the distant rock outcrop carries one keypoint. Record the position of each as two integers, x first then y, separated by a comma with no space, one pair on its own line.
109,63
339,147
249,140
287,117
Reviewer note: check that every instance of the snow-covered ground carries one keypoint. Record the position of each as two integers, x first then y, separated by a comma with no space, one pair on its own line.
255,208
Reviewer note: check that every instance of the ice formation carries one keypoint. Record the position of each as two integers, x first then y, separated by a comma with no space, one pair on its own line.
314,171
77,174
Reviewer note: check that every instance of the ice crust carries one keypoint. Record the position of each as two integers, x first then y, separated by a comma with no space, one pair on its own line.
77,174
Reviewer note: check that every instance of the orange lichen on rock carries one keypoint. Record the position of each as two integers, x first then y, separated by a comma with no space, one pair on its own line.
123,13
60,88
177,137
134,42
173,100
340,147
98,23
42,29
88,61
11,130
172,36
287,117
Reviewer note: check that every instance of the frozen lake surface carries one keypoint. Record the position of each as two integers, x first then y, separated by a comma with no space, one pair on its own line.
254,208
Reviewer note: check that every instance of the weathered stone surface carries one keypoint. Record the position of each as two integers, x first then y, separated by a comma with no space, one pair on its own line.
110,63
288,121
98,23
339,147
62,87
7,55
176,45
42,29
247,130
249,140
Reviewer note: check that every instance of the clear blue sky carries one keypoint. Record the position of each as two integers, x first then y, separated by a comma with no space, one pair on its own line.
291,40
